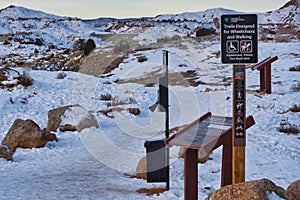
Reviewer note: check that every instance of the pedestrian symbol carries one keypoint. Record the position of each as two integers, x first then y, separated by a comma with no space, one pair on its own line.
232,46
246,46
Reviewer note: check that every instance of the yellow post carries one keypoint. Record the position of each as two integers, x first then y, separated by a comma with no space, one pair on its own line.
238,165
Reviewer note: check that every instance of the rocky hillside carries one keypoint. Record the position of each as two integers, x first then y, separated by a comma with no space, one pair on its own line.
190,22
35,39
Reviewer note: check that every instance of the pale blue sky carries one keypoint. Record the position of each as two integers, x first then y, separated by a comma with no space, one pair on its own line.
139,8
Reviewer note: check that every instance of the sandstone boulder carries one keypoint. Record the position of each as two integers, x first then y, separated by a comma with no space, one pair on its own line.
201,159
54,118
76,119
5,152
141,169
251,190
26,134
294,189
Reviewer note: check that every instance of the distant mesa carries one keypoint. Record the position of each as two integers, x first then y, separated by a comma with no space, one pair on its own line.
291,3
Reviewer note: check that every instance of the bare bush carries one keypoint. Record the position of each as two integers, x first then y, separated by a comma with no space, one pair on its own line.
61,75
289,128
106,97
134,111
25,79
204,31
89,46
295,108
142,58
295,69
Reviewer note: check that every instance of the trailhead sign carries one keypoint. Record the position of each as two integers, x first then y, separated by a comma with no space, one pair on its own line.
239,38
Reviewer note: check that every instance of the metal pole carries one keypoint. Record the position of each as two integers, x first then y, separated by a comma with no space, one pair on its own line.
166,64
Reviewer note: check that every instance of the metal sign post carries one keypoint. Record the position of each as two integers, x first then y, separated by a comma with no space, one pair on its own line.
239,45
158,169
166,106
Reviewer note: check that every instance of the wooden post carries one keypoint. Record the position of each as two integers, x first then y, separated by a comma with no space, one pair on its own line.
268,82
238,123
191,174
226,175
262,80
238,164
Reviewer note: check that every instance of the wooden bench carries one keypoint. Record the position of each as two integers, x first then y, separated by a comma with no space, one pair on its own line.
264,68
205,135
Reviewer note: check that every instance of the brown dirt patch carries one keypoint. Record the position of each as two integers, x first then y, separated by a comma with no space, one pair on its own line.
151,191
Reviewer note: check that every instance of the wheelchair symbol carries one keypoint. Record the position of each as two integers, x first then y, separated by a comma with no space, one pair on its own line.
232,46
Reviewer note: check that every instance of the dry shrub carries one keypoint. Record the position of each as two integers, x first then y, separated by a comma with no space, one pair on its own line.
25,79
149,84
134,111
287,127
106,97
88,47
295,69
295,108
61,75
142,58
290,130
204,31
108,112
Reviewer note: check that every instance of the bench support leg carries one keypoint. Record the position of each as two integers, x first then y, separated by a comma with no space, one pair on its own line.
262,80
226,176
268,79
191,174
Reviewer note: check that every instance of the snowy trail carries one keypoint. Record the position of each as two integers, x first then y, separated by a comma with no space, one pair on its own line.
80,166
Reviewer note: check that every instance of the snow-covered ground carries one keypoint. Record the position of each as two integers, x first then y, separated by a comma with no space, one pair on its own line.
92,164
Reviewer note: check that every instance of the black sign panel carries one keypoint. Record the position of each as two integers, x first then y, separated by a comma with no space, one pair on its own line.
239,38
239,105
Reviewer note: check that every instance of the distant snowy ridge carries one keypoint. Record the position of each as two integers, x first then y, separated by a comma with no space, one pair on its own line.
16,12
45,32
202,16
19,19
26,24
286,15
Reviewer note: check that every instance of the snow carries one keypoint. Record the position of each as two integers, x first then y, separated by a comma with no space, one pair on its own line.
273,196
151,35
16,12
91,164
202,16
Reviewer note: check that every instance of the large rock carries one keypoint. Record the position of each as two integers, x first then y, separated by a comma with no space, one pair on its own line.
54,118
26,134
5,152
201,159
141,169
77,121
294,189
252,190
